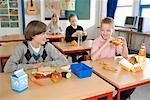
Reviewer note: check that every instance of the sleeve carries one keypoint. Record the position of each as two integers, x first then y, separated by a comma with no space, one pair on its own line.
81,28
14,62
68,37
58,58
119,50
95,46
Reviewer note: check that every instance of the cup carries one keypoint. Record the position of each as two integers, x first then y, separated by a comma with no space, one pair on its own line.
79,37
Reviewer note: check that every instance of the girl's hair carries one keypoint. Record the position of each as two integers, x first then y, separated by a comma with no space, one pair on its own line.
52,23
108,20
34,28
71,15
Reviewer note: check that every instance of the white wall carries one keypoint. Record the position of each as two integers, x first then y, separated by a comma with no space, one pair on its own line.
97,12
29,18
89,25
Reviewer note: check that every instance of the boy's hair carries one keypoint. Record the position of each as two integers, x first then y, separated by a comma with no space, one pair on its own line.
34,28
108,20
71,15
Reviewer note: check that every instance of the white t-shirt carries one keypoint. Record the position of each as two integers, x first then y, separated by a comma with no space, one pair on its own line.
35,49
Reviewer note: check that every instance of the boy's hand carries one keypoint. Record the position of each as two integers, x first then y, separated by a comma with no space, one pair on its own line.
38,65
75,34
84,33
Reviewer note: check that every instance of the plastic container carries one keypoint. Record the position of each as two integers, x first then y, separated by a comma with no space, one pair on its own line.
79,38
81,70
142,53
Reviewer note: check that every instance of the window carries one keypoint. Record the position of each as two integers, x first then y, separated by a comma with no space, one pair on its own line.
124,8
145,2
145,8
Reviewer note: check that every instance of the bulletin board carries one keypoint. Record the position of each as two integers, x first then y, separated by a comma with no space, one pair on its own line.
65,7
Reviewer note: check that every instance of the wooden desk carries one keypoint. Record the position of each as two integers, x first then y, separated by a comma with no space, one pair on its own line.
67,89
134,39
131,31
66,48
6,49
20,37
12,38
122,80
59,37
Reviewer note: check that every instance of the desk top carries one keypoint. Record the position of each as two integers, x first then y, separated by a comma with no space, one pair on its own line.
20,37
56,36
67,89
131,31
66,48
6,49
121,78
10,38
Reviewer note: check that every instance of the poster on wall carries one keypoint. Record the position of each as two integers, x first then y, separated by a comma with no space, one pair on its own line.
70,5
59,7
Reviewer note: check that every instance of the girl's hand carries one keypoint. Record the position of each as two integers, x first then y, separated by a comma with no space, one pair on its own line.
108,40
124,43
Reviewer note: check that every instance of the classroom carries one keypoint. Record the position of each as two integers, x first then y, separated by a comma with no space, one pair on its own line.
75,49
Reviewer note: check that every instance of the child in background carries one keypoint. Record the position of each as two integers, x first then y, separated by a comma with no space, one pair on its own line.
71,31
103,47
54,25
72,34
35,51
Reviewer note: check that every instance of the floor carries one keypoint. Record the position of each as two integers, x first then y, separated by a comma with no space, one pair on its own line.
141,93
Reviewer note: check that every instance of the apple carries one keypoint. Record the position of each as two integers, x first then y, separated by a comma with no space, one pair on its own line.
56,77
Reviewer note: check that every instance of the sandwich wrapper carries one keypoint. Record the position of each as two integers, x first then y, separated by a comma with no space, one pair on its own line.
125,64
19,81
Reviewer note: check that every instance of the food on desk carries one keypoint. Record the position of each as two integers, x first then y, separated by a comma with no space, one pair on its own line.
110,68
58,33
45,69
73,43
66,68
56,77
55,33
38,82
116,41
40,75
133,60
42,72
132,64
66,74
